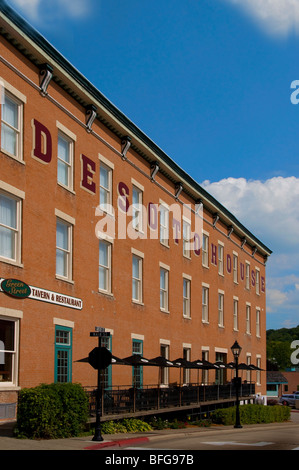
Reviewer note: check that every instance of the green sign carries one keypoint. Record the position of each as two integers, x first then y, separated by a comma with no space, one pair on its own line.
16,288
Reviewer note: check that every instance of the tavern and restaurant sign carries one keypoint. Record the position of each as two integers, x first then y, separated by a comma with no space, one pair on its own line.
21,290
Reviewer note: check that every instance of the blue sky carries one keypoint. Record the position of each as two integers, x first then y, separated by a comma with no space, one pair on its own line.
209,81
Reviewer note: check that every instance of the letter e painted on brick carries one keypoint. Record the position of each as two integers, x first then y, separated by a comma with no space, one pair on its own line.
88,169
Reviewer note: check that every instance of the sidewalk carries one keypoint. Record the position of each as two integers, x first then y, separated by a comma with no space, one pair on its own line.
111,441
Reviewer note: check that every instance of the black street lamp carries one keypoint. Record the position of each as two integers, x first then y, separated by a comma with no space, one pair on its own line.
236,350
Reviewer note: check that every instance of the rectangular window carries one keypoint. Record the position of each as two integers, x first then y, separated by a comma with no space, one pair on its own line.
105,250
65,159
236,307
258,372
235,268
137,278
186,239
187,298
137,209
8,351
257,281
164,225
63,354
220,309
220,259
205,250
258,322
164,295
10,227
186,372
12,126
63,249
205,304
137,348
164,351
247,275
105,188
106,342
248,319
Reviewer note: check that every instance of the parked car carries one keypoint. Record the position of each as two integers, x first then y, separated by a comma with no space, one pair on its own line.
289,398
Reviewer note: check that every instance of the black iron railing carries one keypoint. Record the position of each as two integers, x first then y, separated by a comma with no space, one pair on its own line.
120,400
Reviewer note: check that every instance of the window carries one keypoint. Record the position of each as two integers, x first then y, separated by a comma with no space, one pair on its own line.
235,268
12,126
137,209
107,373
63,249
258,322
137,348
248,320
65,158
164,351
136,278
164,225
205,304
186,239
10,227
186,372
247,274
236,308
105,188
105,266
63,354
205,250
164,278
257,281
220,309
258,372
8,351
187,298
205,372
220,259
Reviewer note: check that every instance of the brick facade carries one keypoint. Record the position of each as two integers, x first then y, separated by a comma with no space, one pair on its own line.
104,291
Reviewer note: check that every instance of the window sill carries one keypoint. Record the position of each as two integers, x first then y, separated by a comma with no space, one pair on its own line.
137,302
10,155
65,279
11,262
66,188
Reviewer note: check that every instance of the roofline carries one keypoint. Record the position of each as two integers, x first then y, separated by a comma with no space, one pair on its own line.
122,124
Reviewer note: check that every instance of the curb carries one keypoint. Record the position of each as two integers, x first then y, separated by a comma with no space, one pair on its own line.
118,443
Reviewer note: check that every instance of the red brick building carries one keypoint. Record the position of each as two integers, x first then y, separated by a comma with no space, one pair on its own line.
94,224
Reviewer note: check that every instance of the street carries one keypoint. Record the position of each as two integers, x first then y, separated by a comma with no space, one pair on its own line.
276,436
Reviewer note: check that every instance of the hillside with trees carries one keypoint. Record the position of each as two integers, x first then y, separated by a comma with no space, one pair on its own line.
279,347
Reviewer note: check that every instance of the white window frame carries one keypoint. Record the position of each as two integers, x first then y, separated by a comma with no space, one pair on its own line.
137,207
205,249
69,223
235,313
186,296
247,275
164,224
137,280
186,238
164,345
69,137
19,99
220,259
106,268
220,308
14,316
257,281
235,267
205,303
164,291
248,318
16,195
258,322
107,166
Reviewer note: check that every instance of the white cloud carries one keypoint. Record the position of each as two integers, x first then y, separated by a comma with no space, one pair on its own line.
270,210
277,17
38,10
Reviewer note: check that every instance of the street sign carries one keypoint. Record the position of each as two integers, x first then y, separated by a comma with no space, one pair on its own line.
100,333
100,358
